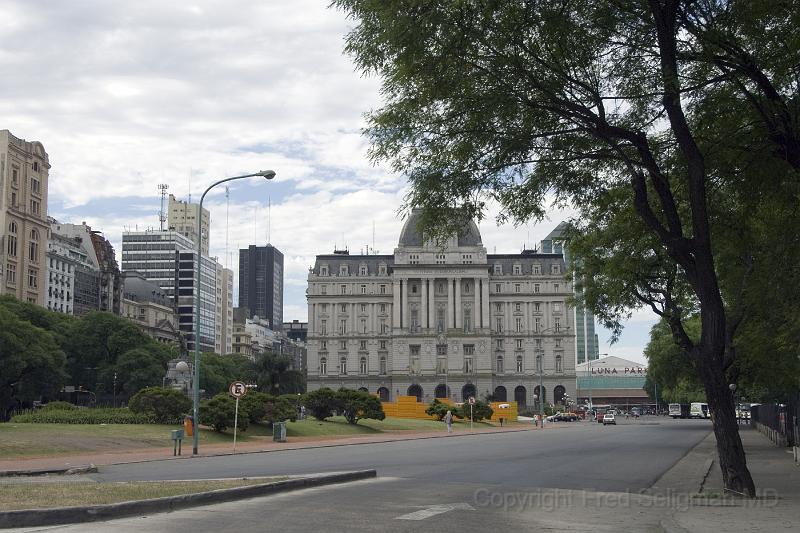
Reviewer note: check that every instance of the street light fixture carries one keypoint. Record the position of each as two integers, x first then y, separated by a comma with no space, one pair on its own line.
268,174
540,365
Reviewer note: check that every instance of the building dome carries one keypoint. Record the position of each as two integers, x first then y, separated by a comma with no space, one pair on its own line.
411,236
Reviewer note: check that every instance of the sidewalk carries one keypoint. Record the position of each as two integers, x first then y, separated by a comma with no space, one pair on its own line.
251,446
777,481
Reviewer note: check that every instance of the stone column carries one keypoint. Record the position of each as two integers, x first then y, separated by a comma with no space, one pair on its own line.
449,304
423,313
459,312
396,304
432,306
485,303
404,322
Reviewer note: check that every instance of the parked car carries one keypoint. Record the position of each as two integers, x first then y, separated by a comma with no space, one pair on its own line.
609,418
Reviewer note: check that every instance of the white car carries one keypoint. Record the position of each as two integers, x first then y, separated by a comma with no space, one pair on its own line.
609,418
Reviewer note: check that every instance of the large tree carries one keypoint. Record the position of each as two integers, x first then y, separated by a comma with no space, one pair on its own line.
660,101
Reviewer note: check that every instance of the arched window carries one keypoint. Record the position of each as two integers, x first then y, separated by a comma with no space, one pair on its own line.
468,391
343,366
519,364
520,396
441,391
33,247
558,394
415,390
383,393
499,364
323,366
500,394
12,239
362,365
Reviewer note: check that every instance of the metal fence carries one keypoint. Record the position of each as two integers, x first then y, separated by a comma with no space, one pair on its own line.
778,421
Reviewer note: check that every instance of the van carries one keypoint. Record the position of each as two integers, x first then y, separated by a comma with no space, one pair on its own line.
679,410
698,410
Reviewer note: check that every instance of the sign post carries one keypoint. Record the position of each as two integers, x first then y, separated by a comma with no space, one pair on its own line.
237,390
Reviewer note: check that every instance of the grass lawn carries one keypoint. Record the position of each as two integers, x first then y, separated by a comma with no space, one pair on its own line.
46,495
337,425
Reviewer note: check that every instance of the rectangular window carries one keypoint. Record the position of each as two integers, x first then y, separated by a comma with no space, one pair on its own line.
343,308
33,278
11,273
362,345
34,207
343,345
468,367
441,365
323,345
537,307
441,349
383,326
363,289
342,327
497,287
323,289
363,308
498,325
517,307
498,269
383,308
383,366
323,327
498,344
519,344
556,307
414,349
537,324
498,307
414,367
343,289
382,345
557,324
517,287
519,325
383,289
517,270
469,349
363,325
555,287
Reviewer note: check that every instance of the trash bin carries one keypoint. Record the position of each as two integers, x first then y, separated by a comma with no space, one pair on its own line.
188,426
279,431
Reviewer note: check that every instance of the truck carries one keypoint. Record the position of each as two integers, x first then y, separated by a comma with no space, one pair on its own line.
698,410
679,410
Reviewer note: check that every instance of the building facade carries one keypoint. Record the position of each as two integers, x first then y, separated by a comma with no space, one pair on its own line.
586,341
442,321
612,381
65,259
24,230
146,304
169,259
183,217
261,283
224,309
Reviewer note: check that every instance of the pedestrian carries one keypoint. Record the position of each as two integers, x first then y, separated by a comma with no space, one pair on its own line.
448,419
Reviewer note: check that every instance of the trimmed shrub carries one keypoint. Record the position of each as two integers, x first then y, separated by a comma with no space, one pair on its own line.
163,404
321,403
356,404
279,409
119,415
439,409
219,412
59,406
255,403
480,411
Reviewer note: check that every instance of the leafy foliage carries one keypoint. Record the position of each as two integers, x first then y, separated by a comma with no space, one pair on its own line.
356,405
279,409
438,409
59,406
220,413
321,403
480,411
255,403
165,405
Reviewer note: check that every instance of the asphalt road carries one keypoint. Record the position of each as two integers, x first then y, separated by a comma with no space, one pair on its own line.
460,483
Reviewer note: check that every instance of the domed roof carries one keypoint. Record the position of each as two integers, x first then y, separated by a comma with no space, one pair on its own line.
411,236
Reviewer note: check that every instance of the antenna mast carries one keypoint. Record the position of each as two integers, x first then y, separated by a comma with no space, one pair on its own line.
162,216
269,219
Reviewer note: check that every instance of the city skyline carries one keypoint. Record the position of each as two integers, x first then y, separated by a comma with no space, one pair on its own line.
156,106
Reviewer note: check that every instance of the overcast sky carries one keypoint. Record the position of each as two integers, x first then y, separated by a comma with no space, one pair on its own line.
127,95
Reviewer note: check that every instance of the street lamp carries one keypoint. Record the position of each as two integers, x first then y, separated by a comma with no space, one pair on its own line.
268,174
540,364
589,378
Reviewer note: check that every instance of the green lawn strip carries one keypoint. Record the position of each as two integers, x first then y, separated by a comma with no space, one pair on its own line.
69,494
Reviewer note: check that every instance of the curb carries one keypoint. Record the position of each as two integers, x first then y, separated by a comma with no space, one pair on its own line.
87,469
71,515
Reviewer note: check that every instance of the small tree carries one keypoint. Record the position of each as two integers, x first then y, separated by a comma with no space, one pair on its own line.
166,405
438,409
356,404
219,413
321,403
480,411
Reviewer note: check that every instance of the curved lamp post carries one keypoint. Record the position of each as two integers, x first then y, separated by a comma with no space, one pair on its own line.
268,174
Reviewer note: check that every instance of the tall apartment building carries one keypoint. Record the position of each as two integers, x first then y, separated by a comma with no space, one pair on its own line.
261,283
586,341
73,284
183,217
169,259
435,322
24,172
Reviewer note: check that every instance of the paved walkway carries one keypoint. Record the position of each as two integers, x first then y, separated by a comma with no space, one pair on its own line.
253,445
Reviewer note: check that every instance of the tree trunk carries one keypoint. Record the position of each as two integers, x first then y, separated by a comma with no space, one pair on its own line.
735,475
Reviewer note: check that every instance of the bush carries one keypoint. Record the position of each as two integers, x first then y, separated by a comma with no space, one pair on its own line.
219,413
480,411
165,405
356,404
439,409
255,403
85,416
59,406
279,409
321,403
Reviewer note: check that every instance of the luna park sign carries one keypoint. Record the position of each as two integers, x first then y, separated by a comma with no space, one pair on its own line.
626,371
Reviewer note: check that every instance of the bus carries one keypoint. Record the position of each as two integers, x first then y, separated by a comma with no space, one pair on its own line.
698,410
679,410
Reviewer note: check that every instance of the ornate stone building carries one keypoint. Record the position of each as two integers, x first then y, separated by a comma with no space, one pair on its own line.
449,321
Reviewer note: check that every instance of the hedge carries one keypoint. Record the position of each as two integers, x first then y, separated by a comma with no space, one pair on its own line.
84,416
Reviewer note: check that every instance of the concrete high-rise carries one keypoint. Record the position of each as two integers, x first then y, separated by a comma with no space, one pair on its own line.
261,283
183,217
24,172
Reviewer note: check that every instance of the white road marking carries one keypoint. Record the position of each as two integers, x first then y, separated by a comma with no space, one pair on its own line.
422,514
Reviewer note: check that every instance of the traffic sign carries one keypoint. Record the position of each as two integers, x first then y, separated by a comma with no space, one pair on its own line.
471,400
237,389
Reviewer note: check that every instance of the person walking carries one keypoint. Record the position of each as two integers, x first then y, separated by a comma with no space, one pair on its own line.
448,419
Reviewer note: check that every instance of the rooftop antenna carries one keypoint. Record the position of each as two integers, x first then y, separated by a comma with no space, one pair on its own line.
162,215
269,219
255,224
373,235
227,222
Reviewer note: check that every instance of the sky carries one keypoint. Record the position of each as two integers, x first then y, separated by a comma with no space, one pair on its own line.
125,96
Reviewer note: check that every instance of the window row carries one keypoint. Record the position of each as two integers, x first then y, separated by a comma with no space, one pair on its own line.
345,270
